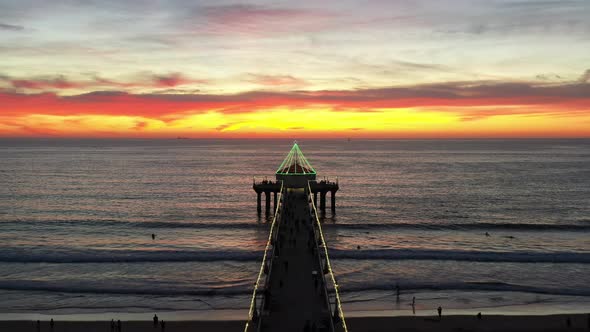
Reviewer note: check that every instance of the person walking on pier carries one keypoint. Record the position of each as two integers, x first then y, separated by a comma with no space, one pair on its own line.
439,312
156,320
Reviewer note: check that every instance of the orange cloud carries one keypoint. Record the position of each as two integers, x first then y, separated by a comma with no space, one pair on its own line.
463,109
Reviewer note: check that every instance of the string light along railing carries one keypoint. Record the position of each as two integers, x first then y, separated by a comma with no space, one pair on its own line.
261,272
329,265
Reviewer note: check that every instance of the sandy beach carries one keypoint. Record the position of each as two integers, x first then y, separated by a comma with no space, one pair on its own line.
579,322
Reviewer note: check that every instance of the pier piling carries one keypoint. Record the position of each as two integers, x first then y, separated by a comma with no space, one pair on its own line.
267,206
333,201
258,203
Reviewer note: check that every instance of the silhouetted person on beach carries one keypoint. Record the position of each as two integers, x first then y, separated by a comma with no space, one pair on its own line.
51,324
153,236
439,312
358,247
112,325
119,327
163,325
38,326
568,322
487,234
155,320
413,305
479,315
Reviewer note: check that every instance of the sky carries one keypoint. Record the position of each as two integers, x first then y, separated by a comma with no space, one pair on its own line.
294,69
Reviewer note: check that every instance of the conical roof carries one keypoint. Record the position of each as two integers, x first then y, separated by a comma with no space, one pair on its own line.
295,163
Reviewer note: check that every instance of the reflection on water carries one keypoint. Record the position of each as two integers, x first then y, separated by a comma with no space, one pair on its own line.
76,220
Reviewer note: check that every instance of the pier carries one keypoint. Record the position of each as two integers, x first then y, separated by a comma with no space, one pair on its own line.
296,172
271,189
296,289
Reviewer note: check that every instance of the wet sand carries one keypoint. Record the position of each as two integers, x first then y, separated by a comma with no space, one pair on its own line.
360,324
470,323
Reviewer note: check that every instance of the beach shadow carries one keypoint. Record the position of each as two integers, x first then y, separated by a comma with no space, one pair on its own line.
431,320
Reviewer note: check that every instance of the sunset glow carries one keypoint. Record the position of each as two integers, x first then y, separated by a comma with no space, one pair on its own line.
295,70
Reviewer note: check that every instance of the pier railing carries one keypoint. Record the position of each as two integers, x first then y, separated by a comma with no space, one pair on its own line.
328,265
265,181
254,312
317,242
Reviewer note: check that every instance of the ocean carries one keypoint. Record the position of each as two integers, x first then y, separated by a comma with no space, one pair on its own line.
76,218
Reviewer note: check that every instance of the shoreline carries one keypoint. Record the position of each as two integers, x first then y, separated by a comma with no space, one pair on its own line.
579,322
359,312
356,304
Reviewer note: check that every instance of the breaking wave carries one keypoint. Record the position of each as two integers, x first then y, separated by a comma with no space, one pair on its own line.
139,256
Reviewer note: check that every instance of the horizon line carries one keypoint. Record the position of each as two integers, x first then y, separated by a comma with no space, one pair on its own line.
230,138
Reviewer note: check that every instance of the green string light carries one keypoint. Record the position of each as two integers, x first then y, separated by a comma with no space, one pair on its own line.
295,158
338,302
268,242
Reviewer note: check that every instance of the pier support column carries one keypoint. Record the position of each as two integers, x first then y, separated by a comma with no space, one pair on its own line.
323,201
333,202
275,202
258,205
267,207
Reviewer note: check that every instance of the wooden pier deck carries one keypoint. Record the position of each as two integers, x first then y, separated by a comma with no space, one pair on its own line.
295,296
297,283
